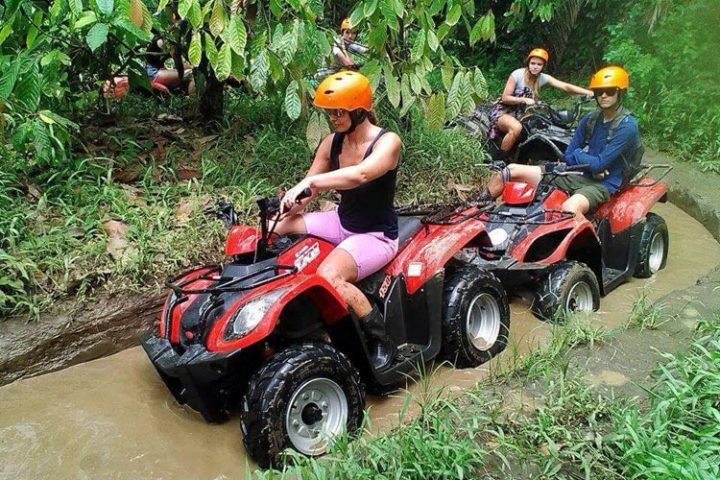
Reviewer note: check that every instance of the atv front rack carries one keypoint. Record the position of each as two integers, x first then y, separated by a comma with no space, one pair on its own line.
232,285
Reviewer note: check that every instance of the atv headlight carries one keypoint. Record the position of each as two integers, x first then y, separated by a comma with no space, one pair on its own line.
250,314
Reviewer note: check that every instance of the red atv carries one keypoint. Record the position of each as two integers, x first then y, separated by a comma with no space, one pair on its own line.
571,263
265,332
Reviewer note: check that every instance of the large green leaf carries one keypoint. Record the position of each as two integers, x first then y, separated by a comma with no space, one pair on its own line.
454,15
418,49
432,41
87,18
184,7
8,78
447,74
238,66
369,8
51,117
259,71
217,18
455,96
293,104
435,115
195,50
195,15
29,89
97,36
224,63
6,30
236,35
317,129
211,51
76,6
105,6
392,86
41,140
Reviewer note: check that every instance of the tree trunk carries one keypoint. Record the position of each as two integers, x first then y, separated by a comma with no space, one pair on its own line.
211,97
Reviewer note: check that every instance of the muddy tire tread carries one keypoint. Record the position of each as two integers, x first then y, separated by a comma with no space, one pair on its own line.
653,222
270,388
465,283
551,289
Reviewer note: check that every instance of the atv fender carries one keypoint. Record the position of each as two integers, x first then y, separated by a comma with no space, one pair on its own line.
241,239
548,244
632,204
431,249
329,303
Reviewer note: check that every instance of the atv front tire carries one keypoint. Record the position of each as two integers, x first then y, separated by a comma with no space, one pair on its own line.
568,287
654,243
301,398
476,317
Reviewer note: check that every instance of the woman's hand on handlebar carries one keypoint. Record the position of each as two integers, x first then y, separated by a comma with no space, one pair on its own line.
529,101
294,197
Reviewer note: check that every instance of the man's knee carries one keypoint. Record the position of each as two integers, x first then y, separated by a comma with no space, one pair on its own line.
577,204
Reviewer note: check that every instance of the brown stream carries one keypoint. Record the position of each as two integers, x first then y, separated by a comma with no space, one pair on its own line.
113,418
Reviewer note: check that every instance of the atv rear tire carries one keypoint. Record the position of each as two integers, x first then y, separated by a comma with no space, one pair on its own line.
654,243
300,399
568,287
476,317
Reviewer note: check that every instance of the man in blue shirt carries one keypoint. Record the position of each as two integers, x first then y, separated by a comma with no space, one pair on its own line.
606,141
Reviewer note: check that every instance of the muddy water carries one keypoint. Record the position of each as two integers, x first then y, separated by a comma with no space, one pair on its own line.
114,419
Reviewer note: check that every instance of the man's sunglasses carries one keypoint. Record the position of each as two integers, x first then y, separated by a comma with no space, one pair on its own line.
335,112
610,91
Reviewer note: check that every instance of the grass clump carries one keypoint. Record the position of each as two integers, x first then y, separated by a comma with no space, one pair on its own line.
550,425
645,314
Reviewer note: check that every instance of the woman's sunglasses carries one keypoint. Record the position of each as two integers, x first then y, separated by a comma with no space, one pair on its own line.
610,91
335,112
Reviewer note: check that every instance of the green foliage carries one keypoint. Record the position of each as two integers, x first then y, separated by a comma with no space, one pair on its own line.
675,87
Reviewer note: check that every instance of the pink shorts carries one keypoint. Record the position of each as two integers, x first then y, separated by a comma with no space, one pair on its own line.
371,251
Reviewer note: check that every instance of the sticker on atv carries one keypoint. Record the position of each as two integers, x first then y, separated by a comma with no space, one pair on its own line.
306,255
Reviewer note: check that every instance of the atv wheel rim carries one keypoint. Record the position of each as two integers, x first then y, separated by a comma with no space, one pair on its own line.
483,322
580,298
657,252
317,412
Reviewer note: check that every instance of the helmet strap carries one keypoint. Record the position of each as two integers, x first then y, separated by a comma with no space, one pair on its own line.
357,116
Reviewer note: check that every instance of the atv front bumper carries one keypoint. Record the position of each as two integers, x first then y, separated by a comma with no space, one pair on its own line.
196,377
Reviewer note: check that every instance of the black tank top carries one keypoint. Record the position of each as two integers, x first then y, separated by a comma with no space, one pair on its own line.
369,207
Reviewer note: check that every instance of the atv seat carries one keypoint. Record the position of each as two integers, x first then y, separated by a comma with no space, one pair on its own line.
407,227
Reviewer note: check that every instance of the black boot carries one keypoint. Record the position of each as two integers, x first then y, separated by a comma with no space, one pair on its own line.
380,345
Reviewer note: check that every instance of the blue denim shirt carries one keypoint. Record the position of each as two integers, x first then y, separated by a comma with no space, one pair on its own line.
602,155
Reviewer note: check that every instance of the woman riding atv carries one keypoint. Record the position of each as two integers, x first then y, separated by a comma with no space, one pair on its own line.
522,89
607,142
346,45
359,160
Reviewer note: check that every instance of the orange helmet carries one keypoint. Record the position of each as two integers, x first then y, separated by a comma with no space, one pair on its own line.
346,90
610,77
345,25
540,53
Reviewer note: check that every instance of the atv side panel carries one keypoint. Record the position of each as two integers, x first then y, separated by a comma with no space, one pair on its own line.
632,204
431,249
